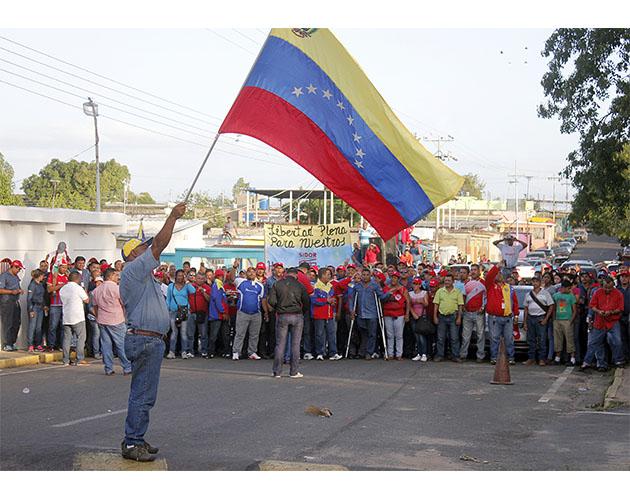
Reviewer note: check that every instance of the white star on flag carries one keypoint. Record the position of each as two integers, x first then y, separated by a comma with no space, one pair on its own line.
350,120
311,89
360,153
356,137
297,91
327,94
340,105
358,163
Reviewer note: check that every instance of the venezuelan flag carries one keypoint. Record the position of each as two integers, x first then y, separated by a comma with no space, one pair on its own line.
306,97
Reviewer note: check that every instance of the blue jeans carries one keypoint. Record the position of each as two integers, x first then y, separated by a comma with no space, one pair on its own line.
114,335
536,336
446,324
325,330
596,349
501,326
54,322
283,323
368,329
203,332
95,337
35,327
145,355
181,330
307,335
550,342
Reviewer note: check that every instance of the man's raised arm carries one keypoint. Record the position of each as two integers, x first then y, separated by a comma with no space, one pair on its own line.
162,239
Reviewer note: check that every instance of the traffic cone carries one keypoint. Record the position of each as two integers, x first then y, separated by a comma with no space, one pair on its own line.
502,368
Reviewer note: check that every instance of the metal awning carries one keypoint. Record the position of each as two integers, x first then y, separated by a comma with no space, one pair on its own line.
314,194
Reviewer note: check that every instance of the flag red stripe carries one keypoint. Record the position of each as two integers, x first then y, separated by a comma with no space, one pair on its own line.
265,116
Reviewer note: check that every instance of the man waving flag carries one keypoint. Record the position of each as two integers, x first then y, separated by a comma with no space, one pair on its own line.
306,97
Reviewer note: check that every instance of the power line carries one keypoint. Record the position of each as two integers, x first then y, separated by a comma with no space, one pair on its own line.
96,94
231,41
256,42
107,78
101,85
139,126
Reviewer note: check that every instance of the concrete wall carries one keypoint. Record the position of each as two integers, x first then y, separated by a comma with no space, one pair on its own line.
29,233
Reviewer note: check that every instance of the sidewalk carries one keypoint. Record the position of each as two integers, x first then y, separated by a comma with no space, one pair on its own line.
24,358
618,394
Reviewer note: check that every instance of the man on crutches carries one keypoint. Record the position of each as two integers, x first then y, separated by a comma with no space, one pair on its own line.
368,296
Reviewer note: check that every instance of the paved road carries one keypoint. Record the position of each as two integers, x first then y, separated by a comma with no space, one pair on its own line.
597,249
219,414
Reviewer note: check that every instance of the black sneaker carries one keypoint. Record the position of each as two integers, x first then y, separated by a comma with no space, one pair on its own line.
602,368
151,449
136,452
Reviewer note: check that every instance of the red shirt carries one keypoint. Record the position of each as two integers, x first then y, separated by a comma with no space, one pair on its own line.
302,278
398,306
475,291
371,255
603,301
62,279
232,296
495,300
197,301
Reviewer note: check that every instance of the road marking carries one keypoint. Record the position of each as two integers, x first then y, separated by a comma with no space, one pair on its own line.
604,413
32,370
556,385
87,419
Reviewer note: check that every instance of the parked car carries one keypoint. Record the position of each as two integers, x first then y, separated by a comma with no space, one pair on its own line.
540,265
563,250
567,243
525,270
579,266
557,261
538,254
549,253
581,235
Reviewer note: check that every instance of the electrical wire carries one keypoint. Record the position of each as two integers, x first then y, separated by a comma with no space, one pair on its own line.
256,42
231,41
107,78
104,86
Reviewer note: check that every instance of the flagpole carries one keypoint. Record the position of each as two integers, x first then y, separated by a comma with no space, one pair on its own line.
216,137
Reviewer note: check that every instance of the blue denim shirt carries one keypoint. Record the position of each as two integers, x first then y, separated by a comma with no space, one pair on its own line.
366,301
142,295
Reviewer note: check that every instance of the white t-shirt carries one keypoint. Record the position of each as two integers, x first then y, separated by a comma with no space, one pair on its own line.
534,309
72,297
510,253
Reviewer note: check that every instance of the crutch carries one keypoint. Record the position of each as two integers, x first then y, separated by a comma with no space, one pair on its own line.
379,310
354,311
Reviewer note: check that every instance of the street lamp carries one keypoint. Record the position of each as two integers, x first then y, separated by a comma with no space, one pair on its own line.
90,108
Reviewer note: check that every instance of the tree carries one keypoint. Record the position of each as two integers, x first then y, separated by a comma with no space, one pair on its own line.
239,186
473,186
6,184
143,198
76,186
587,86
202,205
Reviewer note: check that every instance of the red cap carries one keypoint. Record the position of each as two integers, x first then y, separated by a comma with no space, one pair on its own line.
417,281
434,283
624,273
17,263
104,267
93,259
278,264
219,273
6,259
380,276
443,272
433,273
341,268
352,266
314,268
614,274
63,262
261,265
396,273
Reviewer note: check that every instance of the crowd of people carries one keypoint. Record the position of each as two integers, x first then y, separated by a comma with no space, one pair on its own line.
362,311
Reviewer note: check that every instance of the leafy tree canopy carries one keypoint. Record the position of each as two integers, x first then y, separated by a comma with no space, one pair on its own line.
6,184
587,86
473,185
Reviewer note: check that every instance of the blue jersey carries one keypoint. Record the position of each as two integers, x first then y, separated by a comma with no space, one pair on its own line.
250,295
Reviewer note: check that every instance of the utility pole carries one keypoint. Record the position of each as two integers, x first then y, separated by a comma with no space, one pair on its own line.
439,140
554,179
566,185
529,178
515,182
90,108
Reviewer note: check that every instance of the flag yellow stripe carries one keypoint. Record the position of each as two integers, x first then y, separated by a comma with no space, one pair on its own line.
438,181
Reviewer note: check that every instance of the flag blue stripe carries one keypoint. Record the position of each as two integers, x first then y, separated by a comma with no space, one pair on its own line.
287,72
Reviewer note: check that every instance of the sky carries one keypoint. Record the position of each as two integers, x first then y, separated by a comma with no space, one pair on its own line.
480,86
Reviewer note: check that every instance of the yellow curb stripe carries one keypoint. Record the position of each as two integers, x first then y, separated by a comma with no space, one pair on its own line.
109,461
278,465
